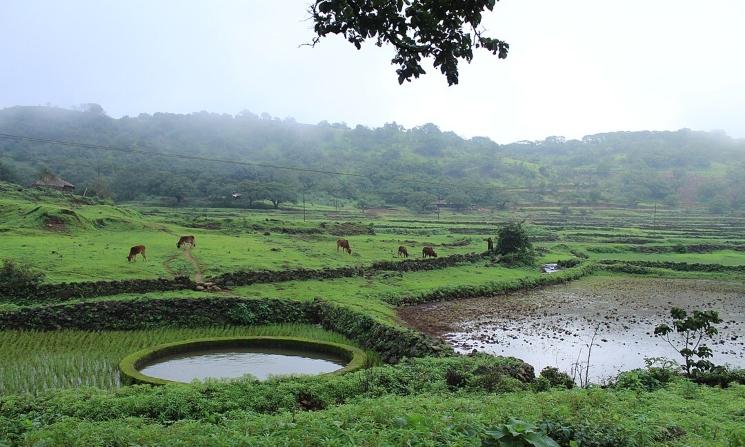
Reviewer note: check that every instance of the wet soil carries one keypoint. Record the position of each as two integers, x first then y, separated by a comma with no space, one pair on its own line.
553,326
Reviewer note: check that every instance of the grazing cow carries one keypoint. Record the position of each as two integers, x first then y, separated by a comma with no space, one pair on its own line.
344,244
402,251
136,250
183,240
428,252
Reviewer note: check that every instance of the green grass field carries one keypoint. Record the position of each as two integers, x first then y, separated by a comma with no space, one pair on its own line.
73,240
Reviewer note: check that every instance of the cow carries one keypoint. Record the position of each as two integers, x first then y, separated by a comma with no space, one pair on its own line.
344,244
183,240
428,252
136,250
403,252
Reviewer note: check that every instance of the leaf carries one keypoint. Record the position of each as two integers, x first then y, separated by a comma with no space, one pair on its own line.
538,439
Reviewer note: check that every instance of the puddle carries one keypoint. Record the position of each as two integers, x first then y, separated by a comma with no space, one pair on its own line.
554,326
231,363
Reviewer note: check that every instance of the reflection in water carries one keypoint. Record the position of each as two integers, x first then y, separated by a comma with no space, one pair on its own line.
230,363
553,326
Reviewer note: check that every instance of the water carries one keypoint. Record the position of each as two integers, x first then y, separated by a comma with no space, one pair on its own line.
554,326
231,363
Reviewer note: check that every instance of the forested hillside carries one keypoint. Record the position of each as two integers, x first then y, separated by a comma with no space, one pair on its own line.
393,165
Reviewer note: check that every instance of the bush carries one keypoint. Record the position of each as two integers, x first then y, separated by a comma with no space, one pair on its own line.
557,378
720,376
513,238
568,263
16,276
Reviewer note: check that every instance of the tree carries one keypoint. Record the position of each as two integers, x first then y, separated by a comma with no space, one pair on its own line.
176,187
512,238
252,191
100,188
278,193
92,108
458,200
693,330
514,245
446,30
7,174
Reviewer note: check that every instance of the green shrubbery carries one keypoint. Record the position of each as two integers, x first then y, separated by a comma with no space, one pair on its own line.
18,277
514,246
199,401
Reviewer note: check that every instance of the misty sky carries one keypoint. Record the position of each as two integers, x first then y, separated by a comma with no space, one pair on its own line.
576,67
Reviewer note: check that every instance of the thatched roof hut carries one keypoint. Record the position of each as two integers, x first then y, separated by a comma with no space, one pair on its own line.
52,181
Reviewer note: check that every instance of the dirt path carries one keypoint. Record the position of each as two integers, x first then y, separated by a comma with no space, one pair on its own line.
197,271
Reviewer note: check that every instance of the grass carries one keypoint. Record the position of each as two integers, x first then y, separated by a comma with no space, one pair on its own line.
680,415
89,241
31,362
368,294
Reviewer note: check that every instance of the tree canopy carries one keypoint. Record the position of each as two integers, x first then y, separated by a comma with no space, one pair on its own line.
418,167
445,30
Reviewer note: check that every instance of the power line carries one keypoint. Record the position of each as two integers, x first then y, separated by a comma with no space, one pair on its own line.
134,151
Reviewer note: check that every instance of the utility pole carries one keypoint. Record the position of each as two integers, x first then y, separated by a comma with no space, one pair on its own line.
303,205
654,216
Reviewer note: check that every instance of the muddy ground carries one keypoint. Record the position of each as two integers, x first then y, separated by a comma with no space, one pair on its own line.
553,326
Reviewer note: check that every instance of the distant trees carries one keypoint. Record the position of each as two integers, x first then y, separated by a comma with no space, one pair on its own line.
275,192
252,191
726,194
177,187
278,193
7,174
399,167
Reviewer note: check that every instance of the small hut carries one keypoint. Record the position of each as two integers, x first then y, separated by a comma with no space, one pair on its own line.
52,181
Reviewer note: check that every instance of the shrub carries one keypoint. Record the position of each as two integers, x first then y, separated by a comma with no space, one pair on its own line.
649,379
16,276
557,378
514,245
568,263
694,329
720,376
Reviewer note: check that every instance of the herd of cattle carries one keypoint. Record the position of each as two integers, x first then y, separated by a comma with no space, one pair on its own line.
140,249
427,252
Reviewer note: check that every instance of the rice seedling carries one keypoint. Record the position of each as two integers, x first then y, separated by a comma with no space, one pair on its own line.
31,361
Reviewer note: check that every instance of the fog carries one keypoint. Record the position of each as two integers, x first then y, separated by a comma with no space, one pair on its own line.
575,67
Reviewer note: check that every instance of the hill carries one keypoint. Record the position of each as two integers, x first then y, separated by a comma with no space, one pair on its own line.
392,165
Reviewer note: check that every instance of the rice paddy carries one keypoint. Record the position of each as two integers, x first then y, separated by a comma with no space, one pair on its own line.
31,362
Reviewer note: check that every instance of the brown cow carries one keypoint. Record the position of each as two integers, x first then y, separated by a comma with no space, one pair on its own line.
183,240
428,252
344,244
136,250
403,252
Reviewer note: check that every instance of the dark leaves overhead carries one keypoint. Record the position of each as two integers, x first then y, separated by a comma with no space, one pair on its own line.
445,30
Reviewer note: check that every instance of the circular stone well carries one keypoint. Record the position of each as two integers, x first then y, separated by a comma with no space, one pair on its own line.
233,357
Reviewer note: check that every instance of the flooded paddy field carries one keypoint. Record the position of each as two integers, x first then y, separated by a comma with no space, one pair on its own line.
553,326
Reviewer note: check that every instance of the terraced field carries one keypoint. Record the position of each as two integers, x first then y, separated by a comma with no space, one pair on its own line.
255,272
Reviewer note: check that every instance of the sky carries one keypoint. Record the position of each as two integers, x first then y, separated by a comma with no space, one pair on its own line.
576,67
